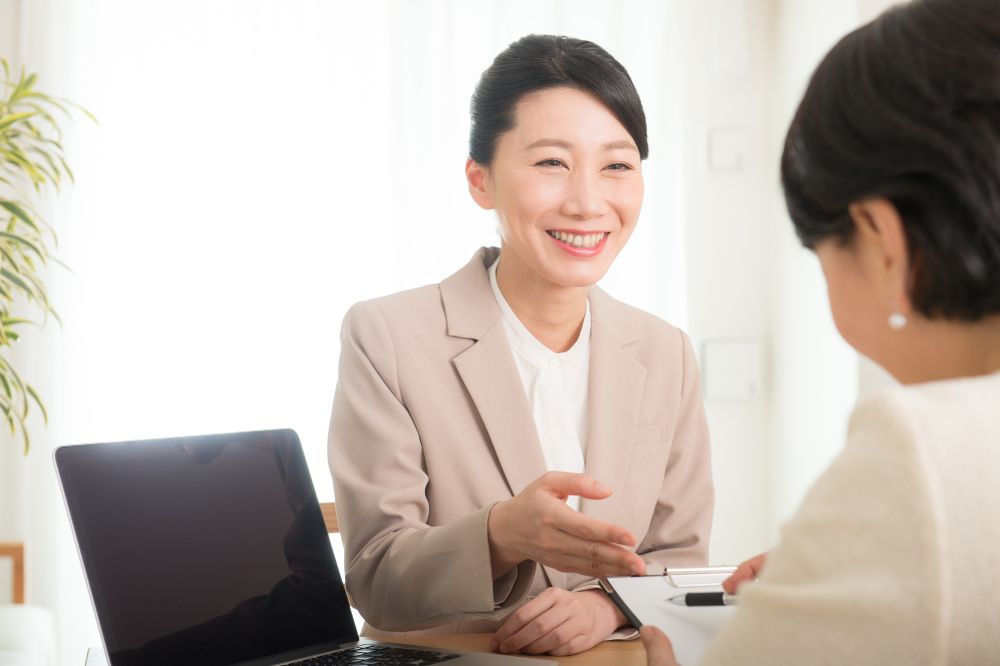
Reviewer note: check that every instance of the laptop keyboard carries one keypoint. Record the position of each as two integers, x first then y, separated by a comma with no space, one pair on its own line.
378,655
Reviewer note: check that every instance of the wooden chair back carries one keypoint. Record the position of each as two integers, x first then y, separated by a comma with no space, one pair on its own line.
15,551
329,510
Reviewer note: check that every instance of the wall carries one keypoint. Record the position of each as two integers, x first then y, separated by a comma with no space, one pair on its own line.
813,373
725,83
815,377
746,65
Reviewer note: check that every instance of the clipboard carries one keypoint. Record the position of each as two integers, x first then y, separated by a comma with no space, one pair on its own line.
644,600
684,577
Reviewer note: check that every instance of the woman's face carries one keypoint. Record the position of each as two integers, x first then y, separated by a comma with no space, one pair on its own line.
566,183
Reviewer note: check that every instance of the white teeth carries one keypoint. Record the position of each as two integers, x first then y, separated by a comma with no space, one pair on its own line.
576,240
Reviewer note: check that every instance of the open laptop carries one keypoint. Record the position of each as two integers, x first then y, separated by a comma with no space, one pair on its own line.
212,551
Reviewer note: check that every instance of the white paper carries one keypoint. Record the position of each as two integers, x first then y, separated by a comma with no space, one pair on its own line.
690,628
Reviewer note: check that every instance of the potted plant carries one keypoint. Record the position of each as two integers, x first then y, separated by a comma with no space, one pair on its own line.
31,160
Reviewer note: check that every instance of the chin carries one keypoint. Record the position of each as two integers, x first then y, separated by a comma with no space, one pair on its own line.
577,280
576,272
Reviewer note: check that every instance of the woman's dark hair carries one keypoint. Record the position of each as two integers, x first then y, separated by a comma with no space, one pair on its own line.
539,62
908,108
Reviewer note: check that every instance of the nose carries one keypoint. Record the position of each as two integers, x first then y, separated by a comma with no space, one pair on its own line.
585,198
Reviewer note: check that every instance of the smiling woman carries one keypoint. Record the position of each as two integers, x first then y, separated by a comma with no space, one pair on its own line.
566,182
503,437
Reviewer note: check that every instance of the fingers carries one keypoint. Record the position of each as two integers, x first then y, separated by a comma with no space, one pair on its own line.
626,564
565,484
590,558
547,631
575,645
659,651
517,620
568,540
747,571
563,626
555,639
591,529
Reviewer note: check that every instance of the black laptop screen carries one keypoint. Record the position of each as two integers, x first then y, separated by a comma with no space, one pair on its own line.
204,550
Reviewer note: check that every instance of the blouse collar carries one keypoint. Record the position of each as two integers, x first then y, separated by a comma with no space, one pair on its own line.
526,344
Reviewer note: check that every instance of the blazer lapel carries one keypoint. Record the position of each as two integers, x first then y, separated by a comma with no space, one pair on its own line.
491,377
489,372
616,386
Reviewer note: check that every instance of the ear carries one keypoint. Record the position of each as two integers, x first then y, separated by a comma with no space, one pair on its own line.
478,178
882,239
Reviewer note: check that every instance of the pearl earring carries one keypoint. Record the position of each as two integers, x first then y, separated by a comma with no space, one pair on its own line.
897,320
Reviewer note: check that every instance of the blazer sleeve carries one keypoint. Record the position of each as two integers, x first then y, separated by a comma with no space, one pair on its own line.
682,520
401,573
857,576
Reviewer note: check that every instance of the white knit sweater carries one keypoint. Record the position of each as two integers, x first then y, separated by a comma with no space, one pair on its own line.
894,556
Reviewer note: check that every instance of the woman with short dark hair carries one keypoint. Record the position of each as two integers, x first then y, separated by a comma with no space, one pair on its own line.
891,172
502,438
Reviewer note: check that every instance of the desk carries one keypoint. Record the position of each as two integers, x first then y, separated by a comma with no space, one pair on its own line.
610,653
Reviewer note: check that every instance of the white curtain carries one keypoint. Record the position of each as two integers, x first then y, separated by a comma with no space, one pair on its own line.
259,166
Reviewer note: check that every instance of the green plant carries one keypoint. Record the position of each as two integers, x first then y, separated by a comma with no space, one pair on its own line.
31,159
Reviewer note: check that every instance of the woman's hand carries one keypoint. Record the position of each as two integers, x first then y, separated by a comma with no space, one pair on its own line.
746,572
559,623
659,651
537,525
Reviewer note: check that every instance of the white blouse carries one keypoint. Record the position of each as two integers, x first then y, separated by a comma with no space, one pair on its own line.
556,385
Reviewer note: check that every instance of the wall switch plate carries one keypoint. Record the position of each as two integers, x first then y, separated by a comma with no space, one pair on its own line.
728,149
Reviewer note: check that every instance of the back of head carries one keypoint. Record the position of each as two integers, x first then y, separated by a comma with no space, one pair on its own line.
908,108
539,62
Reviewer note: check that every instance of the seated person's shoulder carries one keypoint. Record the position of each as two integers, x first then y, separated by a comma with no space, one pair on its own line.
413,307
933,419
652,335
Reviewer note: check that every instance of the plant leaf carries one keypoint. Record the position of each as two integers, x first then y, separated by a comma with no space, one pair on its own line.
22,241
7,121
38,401
19,212
18,282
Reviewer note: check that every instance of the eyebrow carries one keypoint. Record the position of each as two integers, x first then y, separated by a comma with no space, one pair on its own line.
559,143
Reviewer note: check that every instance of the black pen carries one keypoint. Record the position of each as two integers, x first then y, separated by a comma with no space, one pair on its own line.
704,599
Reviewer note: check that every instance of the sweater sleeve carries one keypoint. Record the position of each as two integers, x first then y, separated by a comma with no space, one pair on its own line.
857,577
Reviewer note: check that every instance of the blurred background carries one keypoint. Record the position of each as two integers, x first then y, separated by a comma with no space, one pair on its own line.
260,165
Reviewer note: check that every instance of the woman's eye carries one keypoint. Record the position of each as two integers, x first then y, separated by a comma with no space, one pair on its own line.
550,163
619,166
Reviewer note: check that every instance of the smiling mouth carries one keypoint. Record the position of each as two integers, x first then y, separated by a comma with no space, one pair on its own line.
579,240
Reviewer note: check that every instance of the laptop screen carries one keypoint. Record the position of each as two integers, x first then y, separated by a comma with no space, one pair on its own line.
204,550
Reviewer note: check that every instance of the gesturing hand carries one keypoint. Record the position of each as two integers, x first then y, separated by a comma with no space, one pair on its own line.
559,623
744,573
537,525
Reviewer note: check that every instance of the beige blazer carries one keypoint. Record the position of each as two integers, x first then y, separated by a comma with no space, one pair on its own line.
894,556
431,427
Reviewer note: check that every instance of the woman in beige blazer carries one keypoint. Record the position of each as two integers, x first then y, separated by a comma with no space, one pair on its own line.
891,171
447,419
